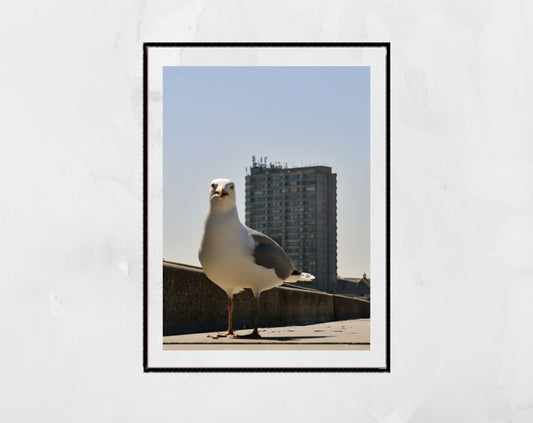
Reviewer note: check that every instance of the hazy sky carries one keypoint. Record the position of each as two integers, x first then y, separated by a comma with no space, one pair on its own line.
216,118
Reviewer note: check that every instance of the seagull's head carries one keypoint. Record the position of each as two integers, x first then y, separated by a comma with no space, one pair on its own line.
222,193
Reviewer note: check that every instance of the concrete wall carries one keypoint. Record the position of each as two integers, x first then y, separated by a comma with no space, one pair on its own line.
192,303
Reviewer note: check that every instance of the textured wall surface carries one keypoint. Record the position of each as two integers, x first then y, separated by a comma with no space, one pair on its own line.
192,303
461,203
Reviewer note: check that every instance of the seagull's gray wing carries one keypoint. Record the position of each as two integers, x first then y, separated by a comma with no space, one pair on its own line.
268,253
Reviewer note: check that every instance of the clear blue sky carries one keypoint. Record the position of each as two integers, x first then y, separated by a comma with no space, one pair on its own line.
216,118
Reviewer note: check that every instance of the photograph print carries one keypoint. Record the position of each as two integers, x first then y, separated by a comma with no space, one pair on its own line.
266,207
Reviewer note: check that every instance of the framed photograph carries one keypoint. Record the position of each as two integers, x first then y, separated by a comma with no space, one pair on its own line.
266,207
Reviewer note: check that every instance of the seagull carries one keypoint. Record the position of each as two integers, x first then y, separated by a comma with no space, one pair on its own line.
236,257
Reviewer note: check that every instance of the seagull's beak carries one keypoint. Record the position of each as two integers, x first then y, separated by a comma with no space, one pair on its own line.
222,192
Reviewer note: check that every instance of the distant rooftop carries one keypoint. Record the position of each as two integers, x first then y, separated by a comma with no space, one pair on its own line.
364,279
263,165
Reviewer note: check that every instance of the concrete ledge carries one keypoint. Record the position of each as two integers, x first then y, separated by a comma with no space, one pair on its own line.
192,303
349,308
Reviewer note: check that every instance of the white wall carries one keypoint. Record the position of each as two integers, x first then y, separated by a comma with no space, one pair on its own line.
71,213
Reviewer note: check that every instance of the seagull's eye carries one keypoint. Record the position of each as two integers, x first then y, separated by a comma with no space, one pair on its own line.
232,186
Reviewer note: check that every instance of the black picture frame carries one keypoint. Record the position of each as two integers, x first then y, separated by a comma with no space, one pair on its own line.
380,45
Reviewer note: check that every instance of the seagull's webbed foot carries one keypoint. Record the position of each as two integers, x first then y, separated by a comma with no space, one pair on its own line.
253,335
223,335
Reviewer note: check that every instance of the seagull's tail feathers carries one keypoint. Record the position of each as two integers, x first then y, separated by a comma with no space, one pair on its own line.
299,277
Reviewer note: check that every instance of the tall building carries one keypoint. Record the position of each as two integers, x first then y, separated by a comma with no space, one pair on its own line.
297,207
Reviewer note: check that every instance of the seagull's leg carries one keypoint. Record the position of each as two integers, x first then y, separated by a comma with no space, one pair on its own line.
230,332
230,316
255,333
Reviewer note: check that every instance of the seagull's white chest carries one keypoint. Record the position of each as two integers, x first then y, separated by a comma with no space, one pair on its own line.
225,245
226,256
224,241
